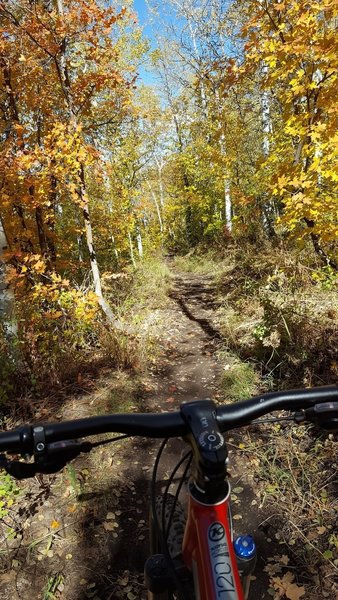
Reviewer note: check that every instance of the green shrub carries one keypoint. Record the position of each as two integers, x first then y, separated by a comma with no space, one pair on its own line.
8,364
298,335
8,492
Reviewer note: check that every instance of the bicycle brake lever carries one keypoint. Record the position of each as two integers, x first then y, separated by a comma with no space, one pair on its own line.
68,448
22,470
299,417
17,469
55,459
325,415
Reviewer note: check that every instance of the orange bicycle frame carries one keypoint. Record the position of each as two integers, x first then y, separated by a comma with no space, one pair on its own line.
208,551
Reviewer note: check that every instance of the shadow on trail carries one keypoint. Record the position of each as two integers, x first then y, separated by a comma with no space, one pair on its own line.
207,327
114,562
200,290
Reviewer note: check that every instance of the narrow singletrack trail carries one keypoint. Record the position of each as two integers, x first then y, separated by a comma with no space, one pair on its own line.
88,526
189,342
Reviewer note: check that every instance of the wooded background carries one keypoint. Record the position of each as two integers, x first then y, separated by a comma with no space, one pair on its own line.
234,142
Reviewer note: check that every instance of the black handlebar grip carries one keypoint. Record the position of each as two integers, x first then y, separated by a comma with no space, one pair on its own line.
10,441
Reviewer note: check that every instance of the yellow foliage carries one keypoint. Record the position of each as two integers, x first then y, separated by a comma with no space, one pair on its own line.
56,321
298,44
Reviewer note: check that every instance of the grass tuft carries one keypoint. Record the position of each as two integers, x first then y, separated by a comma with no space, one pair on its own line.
240,380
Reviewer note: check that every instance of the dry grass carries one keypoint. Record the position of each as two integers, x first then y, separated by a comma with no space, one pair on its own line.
279,314
274,313
296,479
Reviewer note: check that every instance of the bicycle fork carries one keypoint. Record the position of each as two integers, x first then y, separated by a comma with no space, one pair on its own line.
208,549
220,567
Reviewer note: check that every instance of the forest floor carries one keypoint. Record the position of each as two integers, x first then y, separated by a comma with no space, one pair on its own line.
83,534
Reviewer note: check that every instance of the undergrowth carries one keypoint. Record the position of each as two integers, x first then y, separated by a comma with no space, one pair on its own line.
143,291
239,380
8,493
204,263
295,474
278,315
62,333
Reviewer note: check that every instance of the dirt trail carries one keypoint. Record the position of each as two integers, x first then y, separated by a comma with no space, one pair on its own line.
83,534
190,341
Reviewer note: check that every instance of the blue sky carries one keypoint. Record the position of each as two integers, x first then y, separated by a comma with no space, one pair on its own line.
141,10
151,29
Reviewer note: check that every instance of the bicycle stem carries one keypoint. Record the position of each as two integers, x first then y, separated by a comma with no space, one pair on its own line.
209,451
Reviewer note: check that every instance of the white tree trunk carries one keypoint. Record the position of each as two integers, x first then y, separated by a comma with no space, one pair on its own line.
115,249
227,208
139,245
227,194
131,249
268,210
153,195
66,87
160,166
266,119
6,295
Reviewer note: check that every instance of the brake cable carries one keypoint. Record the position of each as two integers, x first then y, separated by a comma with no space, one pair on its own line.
114,439
272,420
188,455
166,552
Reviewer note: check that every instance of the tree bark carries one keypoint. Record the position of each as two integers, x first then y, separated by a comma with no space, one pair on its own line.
317,247
227,205
131,249
160,181
83,200
139,244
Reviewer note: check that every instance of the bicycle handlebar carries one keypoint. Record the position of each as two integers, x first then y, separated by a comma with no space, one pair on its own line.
168,425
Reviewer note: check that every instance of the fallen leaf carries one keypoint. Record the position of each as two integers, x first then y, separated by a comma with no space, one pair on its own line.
294,591
110,526
15,563
55,524
285,586
321,530
8,577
